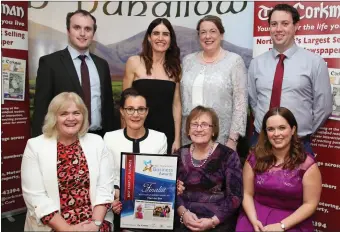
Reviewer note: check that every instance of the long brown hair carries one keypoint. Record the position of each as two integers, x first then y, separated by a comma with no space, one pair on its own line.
172,63
265,158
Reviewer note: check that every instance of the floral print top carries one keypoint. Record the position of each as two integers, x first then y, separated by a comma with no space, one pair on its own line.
74,186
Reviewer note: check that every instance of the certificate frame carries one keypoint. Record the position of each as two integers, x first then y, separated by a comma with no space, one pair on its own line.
148,191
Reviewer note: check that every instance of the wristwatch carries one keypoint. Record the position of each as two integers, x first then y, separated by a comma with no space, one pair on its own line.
97,222
282,226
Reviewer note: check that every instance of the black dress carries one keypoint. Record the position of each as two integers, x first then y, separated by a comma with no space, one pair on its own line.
159,95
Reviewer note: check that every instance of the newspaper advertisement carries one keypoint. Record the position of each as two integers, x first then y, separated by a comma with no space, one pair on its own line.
13,79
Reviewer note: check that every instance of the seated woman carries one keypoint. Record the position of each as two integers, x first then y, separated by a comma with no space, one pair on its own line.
211,174
67,178
282,183
134,138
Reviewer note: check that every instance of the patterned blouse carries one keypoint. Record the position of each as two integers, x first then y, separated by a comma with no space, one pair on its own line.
224,90
74,186
213,189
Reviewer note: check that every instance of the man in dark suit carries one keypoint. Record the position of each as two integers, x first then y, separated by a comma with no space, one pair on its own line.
74,69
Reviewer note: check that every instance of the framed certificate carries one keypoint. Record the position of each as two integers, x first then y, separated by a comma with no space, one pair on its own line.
148,191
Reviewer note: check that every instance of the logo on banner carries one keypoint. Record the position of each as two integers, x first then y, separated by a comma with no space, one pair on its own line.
321,11
12,10
148,166
163,170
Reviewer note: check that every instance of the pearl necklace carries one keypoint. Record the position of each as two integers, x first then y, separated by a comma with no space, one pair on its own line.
205,160
213,61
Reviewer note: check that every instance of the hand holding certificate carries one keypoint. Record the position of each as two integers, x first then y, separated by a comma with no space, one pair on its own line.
148,191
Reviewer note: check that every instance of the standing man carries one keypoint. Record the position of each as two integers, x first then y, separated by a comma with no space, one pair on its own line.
75,69
289,76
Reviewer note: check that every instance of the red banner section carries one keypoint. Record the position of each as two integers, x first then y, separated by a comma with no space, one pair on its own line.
319,27
319,32
15,126
326,144
130,163
316,17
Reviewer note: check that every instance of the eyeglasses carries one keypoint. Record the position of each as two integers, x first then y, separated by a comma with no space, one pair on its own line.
204,126
140,110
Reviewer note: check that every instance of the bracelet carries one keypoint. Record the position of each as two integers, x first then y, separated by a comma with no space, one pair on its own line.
283,227
181,218
234,140
213,223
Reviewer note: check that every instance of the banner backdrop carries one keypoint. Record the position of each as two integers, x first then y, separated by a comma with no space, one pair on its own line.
15,126
122,26
319,32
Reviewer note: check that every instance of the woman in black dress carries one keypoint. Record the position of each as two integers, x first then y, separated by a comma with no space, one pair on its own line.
155,73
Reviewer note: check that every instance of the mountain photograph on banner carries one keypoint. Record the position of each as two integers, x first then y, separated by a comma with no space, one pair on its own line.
120,36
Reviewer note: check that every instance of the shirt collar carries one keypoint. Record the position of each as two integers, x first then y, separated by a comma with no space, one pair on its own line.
136,140
74,53
288,53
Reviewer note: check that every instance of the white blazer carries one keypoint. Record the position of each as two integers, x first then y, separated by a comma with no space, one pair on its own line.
154,142
40,182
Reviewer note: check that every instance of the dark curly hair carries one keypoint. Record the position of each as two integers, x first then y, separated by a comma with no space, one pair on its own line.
265,159
172,63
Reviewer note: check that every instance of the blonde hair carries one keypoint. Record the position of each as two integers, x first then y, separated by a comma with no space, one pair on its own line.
59,103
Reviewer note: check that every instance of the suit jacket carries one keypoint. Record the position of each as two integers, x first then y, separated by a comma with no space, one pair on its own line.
57,74
39,178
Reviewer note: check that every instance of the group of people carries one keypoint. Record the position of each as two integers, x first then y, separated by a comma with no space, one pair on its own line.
201,104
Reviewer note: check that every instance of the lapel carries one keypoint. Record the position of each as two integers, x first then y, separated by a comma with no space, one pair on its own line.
67,61
90,153
48,159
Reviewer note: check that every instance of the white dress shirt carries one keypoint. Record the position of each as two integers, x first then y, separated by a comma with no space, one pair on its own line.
306,89
96,118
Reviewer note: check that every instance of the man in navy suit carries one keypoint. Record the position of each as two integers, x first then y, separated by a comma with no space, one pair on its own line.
62,71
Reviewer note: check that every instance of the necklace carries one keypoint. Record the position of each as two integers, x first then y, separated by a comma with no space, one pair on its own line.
205,160
213,61
279,164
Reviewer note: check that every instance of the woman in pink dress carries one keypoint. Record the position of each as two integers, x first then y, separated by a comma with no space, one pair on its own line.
282,183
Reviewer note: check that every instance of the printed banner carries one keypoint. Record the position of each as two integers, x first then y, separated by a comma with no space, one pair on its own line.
15,125
319,32
122,26
13,78
148,191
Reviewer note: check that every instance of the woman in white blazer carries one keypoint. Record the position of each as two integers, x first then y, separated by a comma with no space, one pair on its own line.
66,173
133,138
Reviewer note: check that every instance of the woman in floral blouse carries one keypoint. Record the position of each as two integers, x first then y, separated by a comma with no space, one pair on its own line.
212,175
67,179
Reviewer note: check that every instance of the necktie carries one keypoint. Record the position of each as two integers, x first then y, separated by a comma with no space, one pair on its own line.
85,83
277,84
